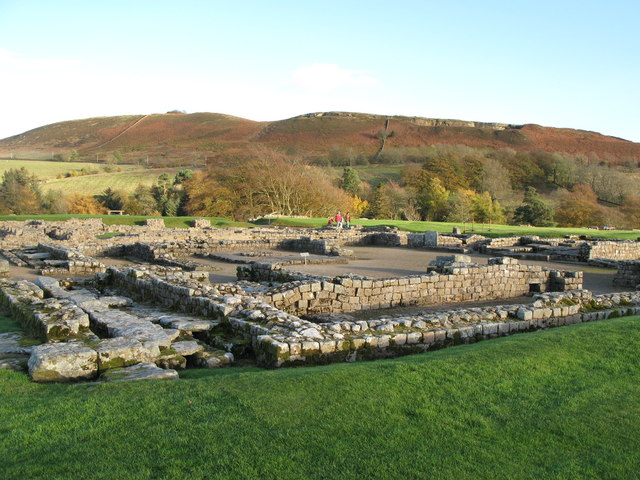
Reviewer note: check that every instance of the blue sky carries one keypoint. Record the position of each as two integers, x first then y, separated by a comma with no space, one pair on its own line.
555,63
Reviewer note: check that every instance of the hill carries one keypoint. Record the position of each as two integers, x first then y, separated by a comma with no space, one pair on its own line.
200,137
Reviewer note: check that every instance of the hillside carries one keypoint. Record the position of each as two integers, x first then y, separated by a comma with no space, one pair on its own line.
200,137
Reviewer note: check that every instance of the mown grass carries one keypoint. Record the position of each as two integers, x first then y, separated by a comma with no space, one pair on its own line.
444,227
555,404
130,220
46,170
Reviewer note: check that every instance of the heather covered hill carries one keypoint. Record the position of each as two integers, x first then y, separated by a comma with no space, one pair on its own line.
209,135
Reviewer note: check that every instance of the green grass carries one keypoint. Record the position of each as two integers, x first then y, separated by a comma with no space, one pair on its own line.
171,222
126,181
556,404
444,227
47,170
8,324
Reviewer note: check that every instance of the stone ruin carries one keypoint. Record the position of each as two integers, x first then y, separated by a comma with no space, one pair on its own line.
154,319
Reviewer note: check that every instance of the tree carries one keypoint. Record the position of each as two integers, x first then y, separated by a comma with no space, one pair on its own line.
381,205
533,211
20,192
485,209
111,199
431,199
84,204
631,212
265,182
73,156
351,182
182,176
579,208
495,179
460,206
141,202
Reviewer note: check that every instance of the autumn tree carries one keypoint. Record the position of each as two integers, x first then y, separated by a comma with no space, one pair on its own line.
265,182
579,208
20,192
485,209
84,204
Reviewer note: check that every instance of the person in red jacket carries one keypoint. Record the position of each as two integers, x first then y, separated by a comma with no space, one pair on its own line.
338,218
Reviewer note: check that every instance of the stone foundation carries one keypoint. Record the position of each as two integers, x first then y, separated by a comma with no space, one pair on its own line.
454,283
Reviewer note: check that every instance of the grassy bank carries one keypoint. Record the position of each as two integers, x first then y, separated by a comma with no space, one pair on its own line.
561,404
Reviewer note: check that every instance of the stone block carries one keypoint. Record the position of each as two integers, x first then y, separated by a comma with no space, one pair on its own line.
140,371
63,362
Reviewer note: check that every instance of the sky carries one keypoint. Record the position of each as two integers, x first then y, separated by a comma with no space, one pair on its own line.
570,64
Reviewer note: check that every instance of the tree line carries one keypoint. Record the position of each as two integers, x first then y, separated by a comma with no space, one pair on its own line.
440,183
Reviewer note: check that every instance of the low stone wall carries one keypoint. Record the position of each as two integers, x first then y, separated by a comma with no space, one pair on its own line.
628,274
389,337
504,278
614,250
318,246
44,318
75,262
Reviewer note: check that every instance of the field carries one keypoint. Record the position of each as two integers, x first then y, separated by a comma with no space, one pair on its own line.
46,170
126,181
555,404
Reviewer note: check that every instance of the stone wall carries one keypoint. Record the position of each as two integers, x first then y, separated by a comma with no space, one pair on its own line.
389,337
614,250
628,274
504,278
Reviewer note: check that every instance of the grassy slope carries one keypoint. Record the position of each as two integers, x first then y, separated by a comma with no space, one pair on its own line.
561,404
126,181
46,170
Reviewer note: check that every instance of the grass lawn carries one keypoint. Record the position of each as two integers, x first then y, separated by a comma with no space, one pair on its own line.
171,222
496,230
444,227
555,404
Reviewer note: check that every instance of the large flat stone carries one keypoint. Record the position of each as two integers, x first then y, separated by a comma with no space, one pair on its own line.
63,362
10,345
121,352
141,371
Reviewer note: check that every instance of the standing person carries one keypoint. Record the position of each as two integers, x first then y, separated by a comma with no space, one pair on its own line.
347,219
338,219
